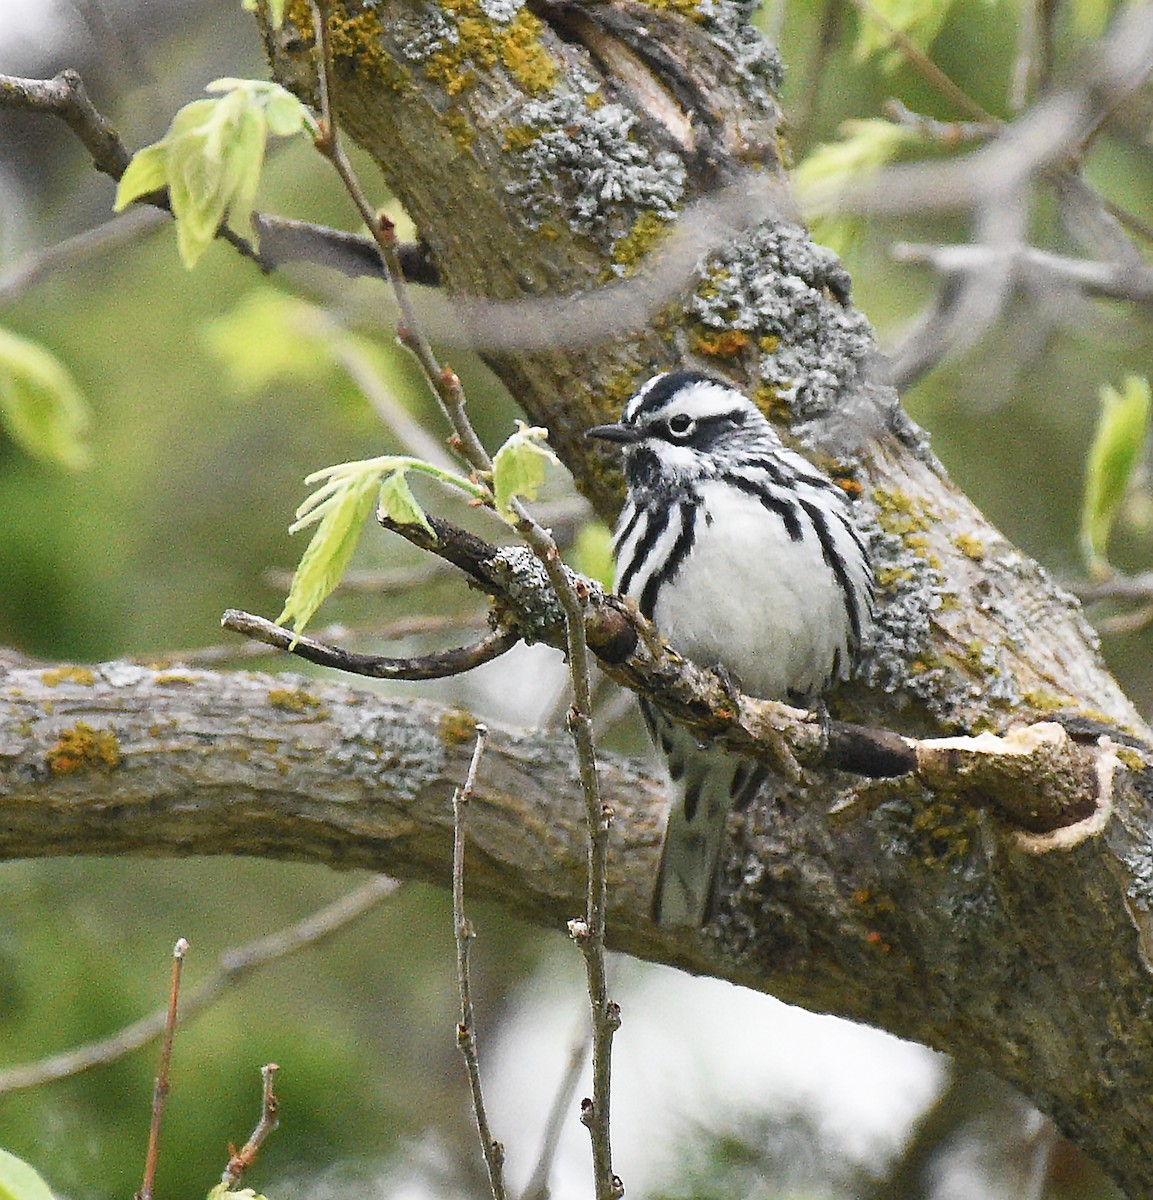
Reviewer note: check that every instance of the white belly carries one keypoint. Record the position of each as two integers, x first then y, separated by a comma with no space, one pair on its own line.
747,598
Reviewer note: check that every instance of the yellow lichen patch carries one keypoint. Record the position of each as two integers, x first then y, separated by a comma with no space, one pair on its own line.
630,249
524,56
720,343
173,679
618,387
461,129
1129,758
519,137
295,700
1044,702
769,343
456,727
686,8
83,748
890,577
970,546
774,403
899,513
84,676
356,39
443,67
481,43
946,832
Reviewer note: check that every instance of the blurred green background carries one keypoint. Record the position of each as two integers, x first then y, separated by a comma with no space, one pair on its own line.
183,512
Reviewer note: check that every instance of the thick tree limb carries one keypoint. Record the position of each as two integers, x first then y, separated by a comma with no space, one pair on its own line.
918,913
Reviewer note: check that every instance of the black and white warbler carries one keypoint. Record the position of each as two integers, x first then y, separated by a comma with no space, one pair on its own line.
746,558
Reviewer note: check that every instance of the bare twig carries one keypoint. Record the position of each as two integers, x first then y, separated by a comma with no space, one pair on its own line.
589,931
537,1187
110,235
425,666
443,381
240,1160
924,65
160,1090
416,625
464,933
233,966
65,97
1107,280
284,240
945,133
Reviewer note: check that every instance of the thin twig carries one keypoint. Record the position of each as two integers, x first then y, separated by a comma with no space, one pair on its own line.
240,1160
945,133
537,1186
415,625
444,382
464,933
1108,280
374,666
110,235
588,932
160,1090
924,65
233,966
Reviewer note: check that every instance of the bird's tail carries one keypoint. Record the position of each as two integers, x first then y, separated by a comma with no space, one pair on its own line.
705,784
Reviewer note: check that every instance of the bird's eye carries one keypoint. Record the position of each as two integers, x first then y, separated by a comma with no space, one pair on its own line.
681,425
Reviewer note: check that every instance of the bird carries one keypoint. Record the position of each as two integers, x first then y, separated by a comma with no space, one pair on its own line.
747,559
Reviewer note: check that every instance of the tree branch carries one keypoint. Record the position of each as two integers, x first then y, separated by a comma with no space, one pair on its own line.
921,913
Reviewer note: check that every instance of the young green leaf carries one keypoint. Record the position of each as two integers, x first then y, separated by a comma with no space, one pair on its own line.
399,504
330,551
1122,427
518,467
339,507
211,159
40,404
223,1192
19,1181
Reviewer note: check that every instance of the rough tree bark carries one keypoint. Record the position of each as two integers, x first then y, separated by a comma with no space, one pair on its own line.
544,149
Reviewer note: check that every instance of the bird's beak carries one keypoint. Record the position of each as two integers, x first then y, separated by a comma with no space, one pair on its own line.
614,433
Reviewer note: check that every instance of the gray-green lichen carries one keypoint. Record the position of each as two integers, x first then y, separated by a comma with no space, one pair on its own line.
538,612
790,296
910,590
406,753
582,166
730,25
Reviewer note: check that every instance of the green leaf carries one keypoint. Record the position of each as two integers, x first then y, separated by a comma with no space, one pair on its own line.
339,507
518,468
212,157
863,149
19,1181
330,551
275,10
40,404
399,504
223,1192
1122,427
146,173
